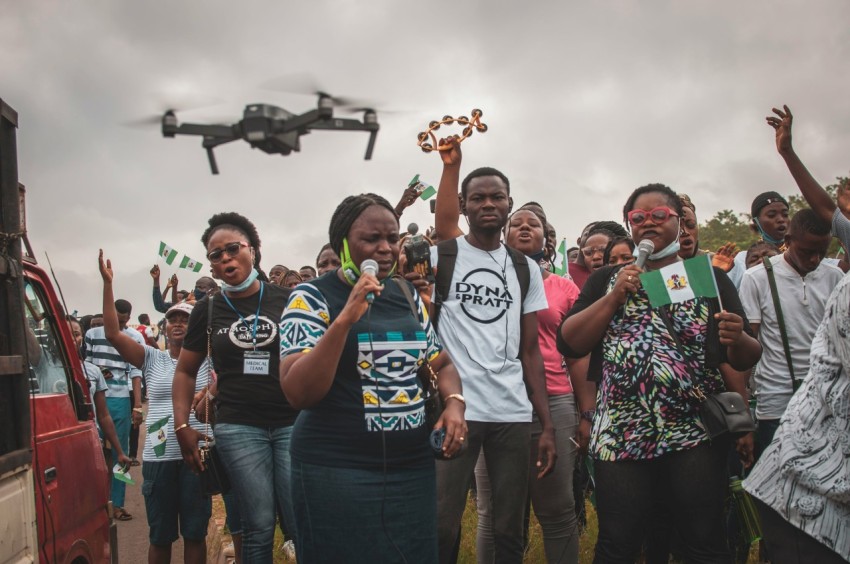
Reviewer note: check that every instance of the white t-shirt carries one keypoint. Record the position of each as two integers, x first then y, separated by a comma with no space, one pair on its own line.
803,300
480,327
159,375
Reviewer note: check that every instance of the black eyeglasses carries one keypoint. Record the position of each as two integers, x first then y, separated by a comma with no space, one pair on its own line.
232,249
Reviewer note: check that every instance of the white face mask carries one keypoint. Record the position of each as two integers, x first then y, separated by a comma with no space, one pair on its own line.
243,285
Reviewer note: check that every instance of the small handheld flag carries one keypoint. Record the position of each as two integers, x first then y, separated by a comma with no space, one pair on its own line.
167,253
122,474
191,264
425,189
560,263
156,434
680,282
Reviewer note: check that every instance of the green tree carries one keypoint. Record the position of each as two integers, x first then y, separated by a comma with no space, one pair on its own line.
726,227
729,227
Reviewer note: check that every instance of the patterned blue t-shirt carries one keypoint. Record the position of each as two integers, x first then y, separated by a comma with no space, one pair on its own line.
375,386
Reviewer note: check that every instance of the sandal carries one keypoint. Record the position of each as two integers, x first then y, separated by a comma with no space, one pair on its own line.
120,514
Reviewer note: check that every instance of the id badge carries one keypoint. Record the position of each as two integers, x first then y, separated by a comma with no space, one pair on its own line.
256,362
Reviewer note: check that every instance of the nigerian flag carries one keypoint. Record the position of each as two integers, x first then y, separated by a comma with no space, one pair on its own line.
167,253
191,264
680,282
156,433
560,263
122,474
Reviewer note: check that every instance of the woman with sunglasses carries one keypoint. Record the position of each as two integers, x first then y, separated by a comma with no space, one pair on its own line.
646,439
363,475
253,420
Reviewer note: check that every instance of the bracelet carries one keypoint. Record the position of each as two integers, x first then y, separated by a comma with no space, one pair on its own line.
183,426
588,415
458,397
138,410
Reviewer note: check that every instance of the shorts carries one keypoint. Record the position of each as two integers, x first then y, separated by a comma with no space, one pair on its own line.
173,495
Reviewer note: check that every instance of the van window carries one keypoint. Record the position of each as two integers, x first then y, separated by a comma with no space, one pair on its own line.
48,372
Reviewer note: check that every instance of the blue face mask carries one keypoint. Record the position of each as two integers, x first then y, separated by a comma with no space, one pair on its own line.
765,236
199,294
244,285
670,249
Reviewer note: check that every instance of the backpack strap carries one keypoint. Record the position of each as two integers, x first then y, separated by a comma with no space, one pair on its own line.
523,274
446,259
774,292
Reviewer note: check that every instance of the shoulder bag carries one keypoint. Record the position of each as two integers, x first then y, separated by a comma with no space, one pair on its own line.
721,413
213,477
427,377
780,319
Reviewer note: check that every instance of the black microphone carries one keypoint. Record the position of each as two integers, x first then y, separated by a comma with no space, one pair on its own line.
371,267
644,249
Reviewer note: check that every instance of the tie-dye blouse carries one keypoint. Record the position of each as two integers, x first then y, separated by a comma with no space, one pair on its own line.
645,404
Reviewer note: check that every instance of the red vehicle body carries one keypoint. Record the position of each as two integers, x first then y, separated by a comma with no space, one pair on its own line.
50,452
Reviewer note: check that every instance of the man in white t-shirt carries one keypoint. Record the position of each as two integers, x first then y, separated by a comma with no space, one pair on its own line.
804,283
490,330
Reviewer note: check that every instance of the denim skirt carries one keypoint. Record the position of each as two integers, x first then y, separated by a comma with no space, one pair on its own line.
356,515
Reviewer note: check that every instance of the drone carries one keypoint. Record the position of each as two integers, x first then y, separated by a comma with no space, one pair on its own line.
274,130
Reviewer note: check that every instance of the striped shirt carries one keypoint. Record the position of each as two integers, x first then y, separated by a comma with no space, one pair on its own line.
159,374
102,354
97,383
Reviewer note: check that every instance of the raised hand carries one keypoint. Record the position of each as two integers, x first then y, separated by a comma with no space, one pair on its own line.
781,122
724,258
105,268
155,272
452,155
407,198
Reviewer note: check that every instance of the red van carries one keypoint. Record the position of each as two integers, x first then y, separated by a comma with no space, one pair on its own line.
54,496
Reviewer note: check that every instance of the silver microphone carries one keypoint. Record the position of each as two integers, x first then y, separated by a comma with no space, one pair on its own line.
644,249
371,267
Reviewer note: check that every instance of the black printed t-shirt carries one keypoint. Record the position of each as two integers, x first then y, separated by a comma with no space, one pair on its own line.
244,399
375,390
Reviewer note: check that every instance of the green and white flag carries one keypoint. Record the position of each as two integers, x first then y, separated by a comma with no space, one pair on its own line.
426,191
122,474
167,253
191,264
559,265
680,282
156,434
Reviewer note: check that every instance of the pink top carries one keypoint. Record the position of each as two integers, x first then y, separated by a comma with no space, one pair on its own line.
561,293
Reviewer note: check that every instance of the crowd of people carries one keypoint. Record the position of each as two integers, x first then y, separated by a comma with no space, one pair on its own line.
356,403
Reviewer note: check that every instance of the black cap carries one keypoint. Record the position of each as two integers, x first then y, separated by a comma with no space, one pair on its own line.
765,199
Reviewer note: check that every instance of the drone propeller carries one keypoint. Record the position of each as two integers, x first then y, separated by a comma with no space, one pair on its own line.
306,84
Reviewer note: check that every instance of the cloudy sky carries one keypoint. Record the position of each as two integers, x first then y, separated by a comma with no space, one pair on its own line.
584,101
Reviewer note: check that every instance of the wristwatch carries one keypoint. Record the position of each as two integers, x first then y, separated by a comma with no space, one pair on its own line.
458,397
588,415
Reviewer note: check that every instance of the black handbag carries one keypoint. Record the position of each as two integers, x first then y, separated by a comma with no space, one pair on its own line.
721,413
214,479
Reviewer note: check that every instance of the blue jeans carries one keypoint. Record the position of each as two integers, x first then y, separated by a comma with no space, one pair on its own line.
258,465
356,515
119,410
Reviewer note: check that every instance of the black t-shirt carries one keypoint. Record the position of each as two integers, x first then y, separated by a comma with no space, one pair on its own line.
599,284
245,399
344,428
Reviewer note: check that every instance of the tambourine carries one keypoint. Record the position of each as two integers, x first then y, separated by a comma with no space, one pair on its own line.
471,125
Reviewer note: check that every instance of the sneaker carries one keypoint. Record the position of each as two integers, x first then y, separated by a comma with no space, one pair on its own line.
289,550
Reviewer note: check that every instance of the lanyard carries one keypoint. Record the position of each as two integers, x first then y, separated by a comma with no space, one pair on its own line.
256,316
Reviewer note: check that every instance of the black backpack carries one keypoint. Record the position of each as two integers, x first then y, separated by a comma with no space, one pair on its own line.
446,258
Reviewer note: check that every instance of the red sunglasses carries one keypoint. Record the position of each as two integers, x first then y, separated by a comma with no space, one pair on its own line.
658,215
